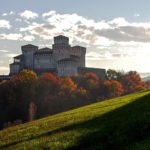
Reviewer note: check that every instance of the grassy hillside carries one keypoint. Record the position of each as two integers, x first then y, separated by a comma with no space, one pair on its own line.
120,123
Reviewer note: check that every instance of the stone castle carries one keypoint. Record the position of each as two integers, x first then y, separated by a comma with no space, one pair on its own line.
61,59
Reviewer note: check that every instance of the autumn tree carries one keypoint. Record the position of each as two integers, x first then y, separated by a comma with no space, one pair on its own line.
25,89
89,82
147,84
47,93
67,88
112,88
48,84
132,82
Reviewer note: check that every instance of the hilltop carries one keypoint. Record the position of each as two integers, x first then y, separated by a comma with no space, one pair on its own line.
146,78
119,123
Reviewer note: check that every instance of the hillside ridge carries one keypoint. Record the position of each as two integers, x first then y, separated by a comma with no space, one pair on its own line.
120,123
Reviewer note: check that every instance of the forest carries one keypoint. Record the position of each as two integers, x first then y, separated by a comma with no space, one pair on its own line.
26,96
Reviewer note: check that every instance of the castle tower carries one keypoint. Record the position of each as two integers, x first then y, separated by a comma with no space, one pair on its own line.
61,42
61,47
28,52
79,52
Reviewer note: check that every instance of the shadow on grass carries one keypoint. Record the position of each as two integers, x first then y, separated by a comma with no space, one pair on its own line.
117,129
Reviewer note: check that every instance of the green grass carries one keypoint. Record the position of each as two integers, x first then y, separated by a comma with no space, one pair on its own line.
120,123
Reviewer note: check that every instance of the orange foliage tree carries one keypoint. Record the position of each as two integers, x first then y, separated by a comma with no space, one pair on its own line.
132,82
49,83
89,82
112,88
68,87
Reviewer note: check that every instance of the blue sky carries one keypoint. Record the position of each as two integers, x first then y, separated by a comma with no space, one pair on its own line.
96,9
116,33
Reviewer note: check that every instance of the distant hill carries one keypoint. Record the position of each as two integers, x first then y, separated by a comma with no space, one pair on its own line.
145,74
120,123
146,78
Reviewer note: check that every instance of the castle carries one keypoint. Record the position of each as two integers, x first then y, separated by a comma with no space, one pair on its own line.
61,59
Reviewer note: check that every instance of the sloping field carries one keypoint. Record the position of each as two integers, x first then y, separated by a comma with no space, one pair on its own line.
120,123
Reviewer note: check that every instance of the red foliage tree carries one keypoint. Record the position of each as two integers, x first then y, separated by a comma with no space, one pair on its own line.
147,84
112,88
68,86
132,82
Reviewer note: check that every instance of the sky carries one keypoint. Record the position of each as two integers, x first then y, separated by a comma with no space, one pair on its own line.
116,33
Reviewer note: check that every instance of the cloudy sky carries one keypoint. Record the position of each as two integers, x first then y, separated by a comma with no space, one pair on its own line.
116,33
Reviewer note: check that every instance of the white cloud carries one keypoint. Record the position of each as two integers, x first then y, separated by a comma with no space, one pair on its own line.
27,22
42,30
4,14
28,38
48,14
3,68
1,62
93,56
114,39
88,31
27,14
11,13
83,30
107,55
76,27
16,37
119,22
102,41
136,15
5,24
11,55
11,36
3,50
18,19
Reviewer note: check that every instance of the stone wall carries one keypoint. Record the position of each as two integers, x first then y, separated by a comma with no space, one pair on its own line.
44,61
67,67
99,72
14,68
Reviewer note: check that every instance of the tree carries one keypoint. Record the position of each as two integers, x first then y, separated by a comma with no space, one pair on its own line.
47,93
89,82
147,84
132,82
8,105
114,75
112,88
68,86
25,89
50,83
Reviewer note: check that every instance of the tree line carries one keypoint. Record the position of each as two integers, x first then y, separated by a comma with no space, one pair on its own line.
27,96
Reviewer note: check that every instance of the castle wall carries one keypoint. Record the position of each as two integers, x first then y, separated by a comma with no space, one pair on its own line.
14,68
99,72
67,68
44,61
61,53
28,60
